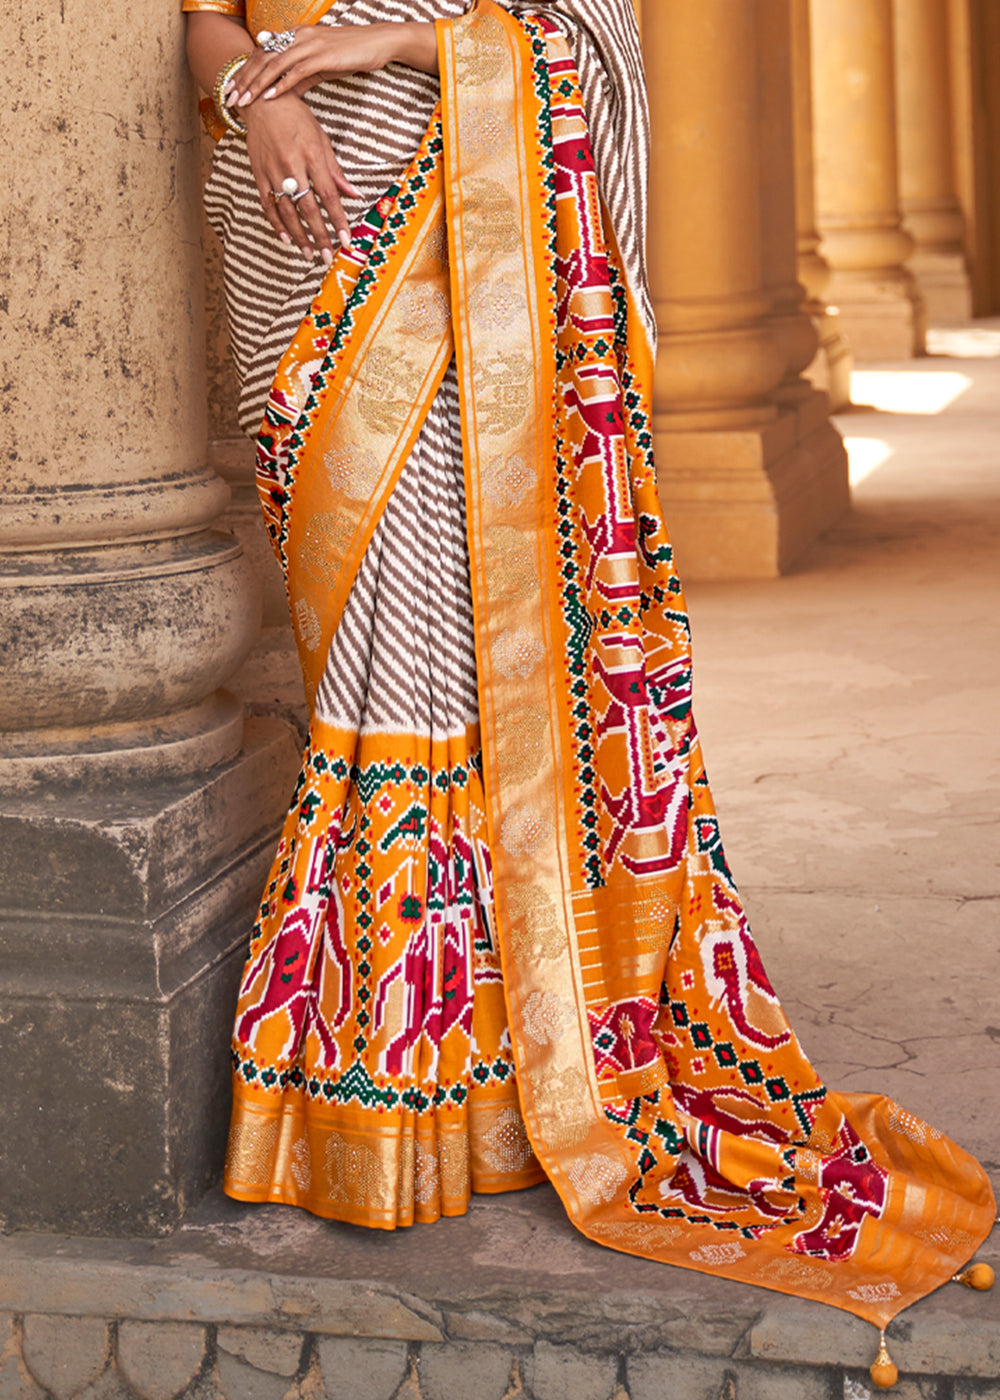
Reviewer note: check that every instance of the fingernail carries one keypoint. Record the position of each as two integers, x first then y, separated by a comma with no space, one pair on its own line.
345,238
232,96
269,94
328,256
247,97
284,237
356,193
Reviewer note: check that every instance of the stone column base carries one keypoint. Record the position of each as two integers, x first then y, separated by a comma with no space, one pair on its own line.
882,315
944,284
831,368
124,915
748,503
270,680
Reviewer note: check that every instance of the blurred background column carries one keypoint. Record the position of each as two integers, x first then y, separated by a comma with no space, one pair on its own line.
857,180
927,187
744,492
974,73
831,367
789,319
138,810
821,472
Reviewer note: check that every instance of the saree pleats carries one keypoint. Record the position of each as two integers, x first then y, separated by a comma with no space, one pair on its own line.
501,939
377,1007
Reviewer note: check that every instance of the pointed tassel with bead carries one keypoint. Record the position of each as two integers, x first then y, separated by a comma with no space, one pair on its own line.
978,1276
883,1372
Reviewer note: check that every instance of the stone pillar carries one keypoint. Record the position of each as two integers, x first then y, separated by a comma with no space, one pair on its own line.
137,810
738,498
831,367
789,319
973,46
270,680
822,472
926,159
857,183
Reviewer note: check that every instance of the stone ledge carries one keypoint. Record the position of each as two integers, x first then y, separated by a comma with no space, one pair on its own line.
231,1297
950,1334
47,1357
509,1302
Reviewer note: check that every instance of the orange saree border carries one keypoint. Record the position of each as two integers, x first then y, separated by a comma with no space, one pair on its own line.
506,387
373,398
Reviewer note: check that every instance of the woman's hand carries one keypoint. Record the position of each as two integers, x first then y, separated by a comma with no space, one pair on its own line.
285,139
320,52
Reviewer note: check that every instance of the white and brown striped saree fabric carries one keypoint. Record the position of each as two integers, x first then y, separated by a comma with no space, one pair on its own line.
403,656
375,122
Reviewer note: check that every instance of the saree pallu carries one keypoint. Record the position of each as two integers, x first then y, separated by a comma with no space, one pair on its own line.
500,941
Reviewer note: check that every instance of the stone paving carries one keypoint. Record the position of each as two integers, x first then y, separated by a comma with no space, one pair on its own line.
508,1303
850,718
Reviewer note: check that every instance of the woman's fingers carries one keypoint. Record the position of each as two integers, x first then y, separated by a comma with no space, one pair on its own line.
245,78
294,228
340,180
269,207
316,51
264,69
298,177
277,76
280,210
307,209
300,217
248,78
301,74
326,189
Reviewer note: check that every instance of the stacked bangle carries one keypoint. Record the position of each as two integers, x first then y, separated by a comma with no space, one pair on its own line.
225,113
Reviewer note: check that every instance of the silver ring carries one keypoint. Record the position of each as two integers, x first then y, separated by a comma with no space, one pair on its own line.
276,43
301,194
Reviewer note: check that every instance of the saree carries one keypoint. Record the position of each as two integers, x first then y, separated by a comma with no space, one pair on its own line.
500,942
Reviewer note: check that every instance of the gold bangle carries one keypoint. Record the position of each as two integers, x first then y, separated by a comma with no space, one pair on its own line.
225,113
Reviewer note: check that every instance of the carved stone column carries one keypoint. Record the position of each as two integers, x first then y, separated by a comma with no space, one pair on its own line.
831,367
137,810
779,234
739,501
270,680
857,183
926,159
822,468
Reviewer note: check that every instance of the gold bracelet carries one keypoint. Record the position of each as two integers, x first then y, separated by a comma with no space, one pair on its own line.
225,113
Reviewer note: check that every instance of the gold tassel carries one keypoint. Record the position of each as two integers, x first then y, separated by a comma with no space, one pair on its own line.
978,1276
883,1371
